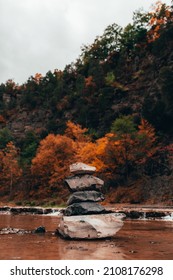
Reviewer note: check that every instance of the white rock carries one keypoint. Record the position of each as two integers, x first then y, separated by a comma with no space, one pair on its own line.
90,226
81,168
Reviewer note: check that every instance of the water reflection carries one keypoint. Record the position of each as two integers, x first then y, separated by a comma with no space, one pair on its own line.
136,240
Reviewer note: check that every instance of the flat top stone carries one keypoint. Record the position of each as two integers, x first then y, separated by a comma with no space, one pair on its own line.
109,218
81,168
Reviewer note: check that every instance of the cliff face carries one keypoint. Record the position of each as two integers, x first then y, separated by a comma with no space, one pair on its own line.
21,120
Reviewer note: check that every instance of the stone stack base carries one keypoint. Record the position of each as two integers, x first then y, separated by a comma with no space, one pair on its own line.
90,226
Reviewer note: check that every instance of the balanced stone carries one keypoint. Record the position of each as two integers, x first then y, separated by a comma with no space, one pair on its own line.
84,208
82,168
90,226
84,196
85,182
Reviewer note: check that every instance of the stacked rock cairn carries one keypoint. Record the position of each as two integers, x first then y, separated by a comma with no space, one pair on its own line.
84,217
86,191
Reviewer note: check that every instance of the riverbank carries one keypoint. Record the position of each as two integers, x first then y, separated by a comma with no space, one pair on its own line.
29,210
143,211
131,211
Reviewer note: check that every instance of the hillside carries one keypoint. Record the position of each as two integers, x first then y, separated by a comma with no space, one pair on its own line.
125,74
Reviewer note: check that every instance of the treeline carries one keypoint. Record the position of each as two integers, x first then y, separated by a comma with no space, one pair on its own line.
129,152
112,107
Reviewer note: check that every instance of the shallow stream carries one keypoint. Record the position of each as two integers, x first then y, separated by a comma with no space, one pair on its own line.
138,239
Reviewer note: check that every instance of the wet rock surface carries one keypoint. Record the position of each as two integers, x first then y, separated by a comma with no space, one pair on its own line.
90,226
15,210
84,196
133,214
84,182
9,230
40,229
4,209
29,210
155,214
84,208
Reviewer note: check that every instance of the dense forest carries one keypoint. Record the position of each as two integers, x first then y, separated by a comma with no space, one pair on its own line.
111,108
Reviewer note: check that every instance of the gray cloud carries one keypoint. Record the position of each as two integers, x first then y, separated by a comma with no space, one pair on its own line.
42,35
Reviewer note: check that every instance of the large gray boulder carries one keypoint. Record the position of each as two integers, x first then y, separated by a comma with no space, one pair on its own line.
84,196
90,226
81,168
84,208
85,182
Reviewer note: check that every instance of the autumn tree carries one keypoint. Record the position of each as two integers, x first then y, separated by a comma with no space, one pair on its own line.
87,150
54,155
160,16
77,133
129,145
10,170
121,140
122,151
93,152
51,163
38,77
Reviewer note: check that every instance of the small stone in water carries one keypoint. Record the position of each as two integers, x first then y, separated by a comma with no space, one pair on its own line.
40,230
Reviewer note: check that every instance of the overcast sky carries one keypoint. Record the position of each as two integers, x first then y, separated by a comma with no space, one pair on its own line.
42,35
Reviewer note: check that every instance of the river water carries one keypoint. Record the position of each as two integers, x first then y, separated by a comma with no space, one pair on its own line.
138,239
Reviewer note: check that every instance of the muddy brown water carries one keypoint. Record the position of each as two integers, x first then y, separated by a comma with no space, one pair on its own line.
138,239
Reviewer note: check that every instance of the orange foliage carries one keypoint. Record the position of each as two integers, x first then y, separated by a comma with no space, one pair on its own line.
147,129
58,73
129,150
160,15
146,142
111,155
55,153
92,153
38,77
89,82
76,132
51,163
119,152
2,120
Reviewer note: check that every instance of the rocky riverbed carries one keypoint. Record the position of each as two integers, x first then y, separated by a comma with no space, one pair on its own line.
131,211
29,210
